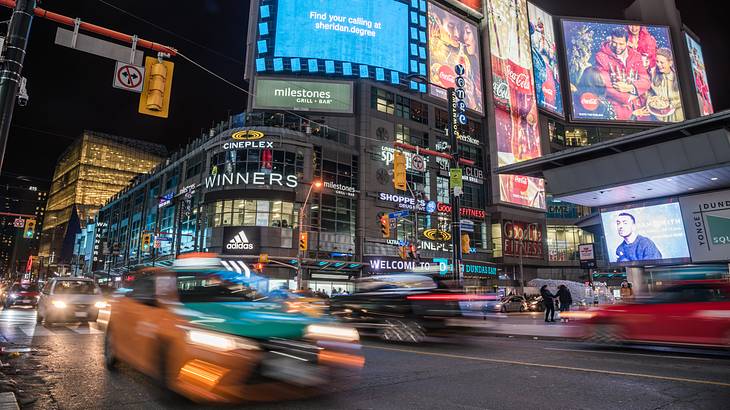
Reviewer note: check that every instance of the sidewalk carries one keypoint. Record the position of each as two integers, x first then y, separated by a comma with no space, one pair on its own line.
530,324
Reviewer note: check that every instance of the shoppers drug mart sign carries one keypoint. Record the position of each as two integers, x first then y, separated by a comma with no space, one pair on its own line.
297,95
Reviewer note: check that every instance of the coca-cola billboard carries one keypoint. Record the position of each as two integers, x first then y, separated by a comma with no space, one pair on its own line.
451,41
545,67
515,109
522,239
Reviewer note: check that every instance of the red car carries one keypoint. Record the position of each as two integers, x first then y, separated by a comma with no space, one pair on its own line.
693,313
26,294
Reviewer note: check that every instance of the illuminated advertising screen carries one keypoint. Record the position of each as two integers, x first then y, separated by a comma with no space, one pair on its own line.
699,75
515,108
545,60
645,233
301,95
370,32
452,41
621,72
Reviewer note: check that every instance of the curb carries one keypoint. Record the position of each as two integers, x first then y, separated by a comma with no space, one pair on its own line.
8,401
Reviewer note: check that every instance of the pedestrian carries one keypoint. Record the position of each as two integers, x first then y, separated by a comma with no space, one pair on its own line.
565,300
549,302
626,292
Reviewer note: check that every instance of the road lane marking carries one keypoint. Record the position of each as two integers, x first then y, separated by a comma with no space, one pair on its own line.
629,354
553,366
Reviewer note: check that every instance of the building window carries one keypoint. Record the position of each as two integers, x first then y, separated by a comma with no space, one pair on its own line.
402,107
563,241
419,112
382,100
442,190
442,119
242,212
472,153
473,196
259,160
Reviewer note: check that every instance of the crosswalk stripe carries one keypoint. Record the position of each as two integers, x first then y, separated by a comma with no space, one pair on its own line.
85,330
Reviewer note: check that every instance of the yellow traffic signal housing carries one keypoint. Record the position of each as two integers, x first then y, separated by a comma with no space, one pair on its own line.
465,243
264,258
258,267
385,226
155,97
303,241
399,171
403,252
146,242
29,231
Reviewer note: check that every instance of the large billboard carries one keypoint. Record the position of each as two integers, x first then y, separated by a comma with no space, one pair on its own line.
545,60
452,41
621,72
707,221
702,89
515,110
645,234
300,95
370,32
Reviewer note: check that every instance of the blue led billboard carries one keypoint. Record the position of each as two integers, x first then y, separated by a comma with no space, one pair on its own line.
372,32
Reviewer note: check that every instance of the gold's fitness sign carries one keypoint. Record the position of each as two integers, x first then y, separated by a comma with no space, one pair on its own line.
247,139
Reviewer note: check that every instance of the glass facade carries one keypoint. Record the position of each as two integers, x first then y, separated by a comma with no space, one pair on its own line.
563,241
242,212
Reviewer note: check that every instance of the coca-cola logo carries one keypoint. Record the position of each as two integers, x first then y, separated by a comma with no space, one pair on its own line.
521,183
521,80
447,76
589,101
548,91
501,90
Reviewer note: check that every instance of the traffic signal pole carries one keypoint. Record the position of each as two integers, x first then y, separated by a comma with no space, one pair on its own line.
13,55
455,205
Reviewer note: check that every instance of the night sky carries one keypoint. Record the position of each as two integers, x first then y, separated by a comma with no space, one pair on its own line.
71,91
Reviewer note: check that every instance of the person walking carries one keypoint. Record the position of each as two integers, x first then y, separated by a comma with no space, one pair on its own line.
549,302
565,300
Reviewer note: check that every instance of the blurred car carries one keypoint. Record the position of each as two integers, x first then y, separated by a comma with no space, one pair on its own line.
534,304
21,294
690,313
206,333
70,299
306,302
507,304
402,307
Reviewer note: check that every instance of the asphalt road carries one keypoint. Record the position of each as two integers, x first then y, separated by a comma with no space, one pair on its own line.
480,373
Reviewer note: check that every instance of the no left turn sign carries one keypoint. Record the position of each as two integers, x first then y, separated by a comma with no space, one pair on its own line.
128,77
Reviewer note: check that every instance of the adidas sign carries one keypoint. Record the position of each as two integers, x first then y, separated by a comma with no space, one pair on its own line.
240,242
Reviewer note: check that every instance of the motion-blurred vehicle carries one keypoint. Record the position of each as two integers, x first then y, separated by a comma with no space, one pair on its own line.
305,302
695,313
21,294
534,304
70,299
507,304
208,334
401,307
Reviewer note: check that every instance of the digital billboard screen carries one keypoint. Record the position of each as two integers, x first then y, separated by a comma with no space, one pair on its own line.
621,72
515,108
452,41
702,89
545,60
652,233
370,32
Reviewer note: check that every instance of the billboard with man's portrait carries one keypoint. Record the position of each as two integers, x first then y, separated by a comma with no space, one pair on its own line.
451,41
621,72
638,234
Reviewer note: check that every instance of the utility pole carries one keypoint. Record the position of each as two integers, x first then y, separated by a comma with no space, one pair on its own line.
13,55
453,131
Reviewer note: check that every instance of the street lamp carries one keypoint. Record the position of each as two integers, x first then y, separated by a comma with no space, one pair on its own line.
316,184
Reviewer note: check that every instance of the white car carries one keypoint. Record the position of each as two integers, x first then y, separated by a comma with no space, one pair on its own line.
70,299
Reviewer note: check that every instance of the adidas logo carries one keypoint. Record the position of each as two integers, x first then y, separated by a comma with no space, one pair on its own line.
240,241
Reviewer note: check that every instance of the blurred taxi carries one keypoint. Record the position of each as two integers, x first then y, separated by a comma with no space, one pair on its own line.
205,333
695,313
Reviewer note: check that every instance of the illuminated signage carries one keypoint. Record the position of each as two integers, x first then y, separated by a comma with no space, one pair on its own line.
247,135
522,239
702,88
340,189
472,174
707,223
241,241
247,139
437,235
251,178
467,138
545,60
298,95
406,202
464,211
165,200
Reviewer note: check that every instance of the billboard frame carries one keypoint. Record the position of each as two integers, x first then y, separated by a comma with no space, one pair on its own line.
560,51
351,83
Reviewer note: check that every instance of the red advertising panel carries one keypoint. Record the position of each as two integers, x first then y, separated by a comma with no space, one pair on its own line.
516,120
702,89
473,4
545,60
452,41
621,72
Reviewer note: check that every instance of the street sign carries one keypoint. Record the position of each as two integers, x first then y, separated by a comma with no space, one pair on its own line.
163,239
455,175
19,223
418,163
399,214
467,225
103,48
128,77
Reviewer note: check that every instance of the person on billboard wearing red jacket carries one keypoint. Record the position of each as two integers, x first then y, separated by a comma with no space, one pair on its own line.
623,72
644,43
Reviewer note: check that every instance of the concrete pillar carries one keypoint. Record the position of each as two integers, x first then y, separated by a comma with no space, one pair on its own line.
638,280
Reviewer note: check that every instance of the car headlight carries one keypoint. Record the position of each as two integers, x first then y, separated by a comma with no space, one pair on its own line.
219,341
59,304
341,333
498,305
100,305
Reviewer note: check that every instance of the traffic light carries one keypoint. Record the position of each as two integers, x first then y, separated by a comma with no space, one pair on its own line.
258,267
303,241
385,226
403,252
146,242
29,231
465,243
155,97
399,171
264,258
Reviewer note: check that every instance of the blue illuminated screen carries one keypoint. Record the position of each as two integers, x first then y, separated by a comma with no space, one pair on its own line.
371,32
